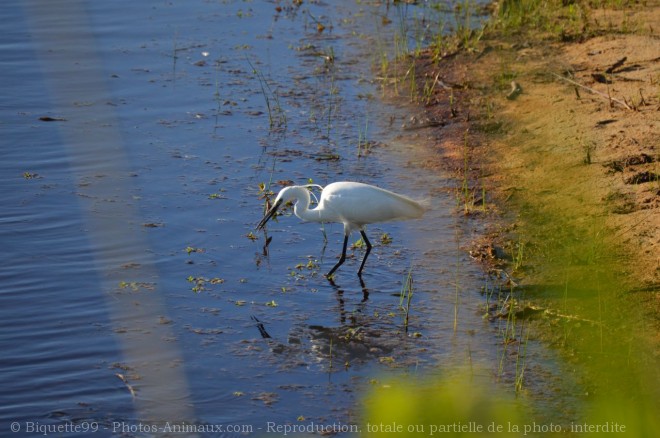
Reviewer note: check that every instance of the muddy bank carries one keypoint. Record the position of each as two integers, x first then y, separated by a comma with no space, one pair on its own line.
564,130
552,134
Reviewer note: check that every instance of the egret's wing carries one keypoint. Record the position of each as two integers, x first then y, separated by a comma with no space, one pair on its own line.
360,204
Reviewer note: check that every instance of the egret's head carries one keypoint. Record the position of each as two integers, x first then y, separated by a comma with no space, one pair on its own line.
285,195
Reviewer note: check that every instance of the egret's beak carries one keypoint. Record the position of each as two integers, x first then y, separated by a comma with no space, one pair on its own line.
270,214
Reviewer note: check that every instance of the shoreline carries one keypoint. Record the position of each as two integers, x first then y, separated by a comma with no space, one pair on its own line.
554,142
527,140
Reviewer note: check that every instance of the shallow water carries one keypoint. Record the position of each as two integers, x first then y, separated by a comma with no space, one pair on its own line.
146,185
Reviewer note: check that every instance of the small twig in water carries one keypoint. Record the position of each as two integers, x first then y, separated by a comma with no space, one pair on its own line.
128,385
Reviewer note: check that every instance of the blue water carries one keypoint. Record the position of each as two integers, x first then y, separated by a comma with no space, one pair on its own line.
145,186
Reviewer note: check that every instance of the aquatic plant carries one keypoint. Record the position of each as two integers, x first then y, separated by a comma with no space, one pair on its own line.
363,143
276,115
406,295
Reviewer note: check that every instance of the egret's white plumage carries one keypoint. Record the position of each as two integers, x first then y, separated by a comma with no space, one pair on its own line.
350,203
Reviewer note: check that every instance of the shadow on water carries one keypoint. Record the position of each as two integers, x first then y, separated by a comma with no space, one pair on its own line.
136,291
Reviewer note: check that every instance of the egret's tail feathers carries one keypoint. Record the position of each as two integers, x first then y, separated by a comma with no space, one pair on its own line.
419,210
409,209
425,203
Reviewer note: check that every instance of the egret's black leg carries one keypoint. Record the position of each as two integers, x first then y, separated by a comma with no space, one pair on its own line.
341,259
366,254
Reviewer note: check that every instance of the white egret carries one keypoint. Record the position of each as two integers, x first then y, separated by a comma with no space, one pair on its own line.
350,203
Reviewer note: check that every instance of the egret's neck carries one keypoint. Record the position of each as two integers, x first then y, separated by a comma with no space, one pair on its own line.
302,210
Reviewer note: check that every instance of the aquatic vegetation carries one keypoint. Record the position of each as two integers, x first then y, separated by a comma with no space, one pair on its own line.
136,285
276,114
385,239
200,283
406,296
320,27
363,143
189,250
31,175
467,34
